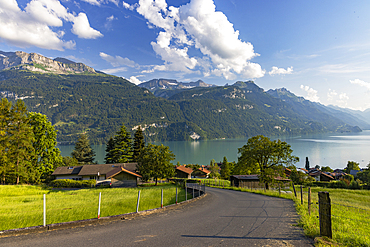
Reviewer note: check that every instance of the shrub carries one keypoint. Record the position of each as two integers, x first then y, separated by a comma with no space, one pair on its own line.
69,183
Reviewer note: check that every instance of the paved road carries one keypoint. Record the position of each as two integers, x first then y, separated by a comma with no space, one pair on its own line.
222,218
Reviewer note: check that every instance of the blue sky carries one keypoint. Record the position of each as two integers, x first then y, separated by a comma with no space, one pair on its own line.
317,49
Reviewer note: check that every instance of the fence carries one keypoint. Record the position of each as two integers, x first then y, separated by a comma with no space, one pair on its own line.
65,206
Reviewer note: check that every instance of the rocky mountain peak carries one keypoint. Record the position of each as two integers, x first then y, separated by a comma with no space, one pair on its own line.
38,63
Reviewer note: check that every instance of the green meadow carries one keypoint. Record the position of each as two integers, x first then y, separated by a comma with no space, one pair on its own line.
22,205
350,210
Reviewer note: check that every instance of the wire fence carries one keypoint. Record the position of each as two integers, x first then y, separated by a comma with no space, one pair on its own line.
66,206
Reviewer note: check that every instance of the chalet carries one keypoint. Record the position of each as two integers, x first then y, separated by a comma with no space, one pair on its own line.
201,173
183,171
120,175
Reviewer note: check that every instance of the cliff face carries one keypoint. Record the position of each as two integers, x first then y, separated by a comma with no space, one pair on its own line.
39,63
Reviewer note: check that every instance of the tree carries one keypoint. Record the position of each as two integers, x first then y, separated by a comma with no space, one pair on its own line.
21,138
326,169
47,156
225,169
155,162
83,152
351,165
5,119
364,175
269,157
214,169
109,151
120,150
139,144
307,165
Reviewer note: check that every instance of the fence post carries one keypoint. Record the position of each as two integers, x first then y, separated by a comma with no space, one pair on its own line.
295,193
193,190
99,205
325,214
44,210
279,190
176,195
186,192
138,201
301,194
309,200
162,198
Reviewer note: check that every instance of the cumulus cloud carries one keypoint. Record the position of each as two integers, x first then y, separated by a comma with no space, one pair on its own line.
197,25
280,71
311,93
117,60
360,83
37,24
128,6
134,80
340,99
114,70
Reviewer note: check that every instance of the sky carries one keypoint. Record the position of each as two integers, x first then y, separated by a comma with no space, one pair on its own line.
319,50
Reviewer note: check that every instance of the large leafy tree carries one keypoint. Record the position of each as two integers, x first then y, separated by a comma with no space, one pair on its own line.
225,169
155,162
120,150
351,165
83,152
47,156
139,144
214,169
266,156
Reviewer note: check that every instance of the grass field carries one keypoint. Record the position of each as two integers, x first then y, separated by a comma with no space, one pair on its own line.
350,211
22,206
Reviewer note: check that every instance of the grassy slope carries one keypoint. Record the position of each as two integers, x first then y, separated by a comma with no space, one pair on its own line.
22,206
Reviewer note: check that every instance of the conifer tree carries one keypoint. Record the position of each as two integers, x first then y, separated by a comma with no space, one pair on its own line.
83,152
5,117
225,169
120,151
307,165
109,151
139,144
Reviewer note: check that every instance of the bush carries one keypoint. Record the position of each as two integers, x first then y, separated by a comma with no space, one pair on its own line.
69,183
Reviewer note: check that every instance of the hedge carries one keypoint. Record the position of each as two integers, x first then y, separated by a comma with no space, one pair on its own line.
69,183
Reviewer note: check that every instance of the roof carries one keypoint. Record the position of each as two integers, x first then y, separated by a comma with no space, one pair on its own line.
202,169
118,170
184,169
87,170
67,170
256,177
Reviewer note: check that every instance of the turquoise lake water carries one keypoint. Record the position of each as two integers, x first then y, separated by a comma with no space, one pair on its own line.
332,150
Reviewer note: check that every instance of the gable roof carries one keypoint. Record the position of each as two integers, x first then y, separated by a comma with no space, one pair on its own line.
87,170
118,170
202,169
184,169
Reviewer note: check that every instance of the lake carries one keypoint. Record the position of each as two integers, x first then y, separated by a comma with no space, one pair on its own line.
332,150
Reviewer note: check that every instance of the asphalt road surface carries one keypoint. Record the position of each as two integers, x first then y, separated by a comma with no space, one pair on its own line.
222,218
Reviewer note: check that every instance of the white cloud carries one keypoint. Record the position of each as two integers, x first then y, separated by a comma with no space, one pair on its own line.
134,80
100,2
311,93
128,6
280,71
117,60
197,25
115,70
338,99
37,25
82,29
360,83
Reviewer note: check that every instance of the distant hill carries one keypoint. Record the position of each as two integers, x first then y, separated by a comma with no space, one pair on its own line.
318,112
77,99
165,88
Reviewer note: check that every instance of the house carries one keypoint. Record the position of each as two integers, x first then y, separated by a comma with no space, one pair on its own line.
183,171
321,176
201,173
122,174
251,181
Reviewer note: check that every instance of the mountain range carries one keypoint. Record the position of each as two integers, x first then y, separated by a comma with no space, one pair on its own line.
78,99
